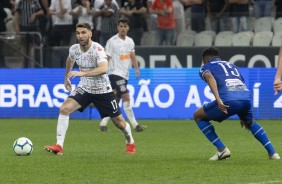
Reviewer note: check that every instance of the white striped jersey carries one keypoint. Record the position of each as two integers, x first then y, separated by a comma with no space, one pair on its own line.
26,9
119,51
88,61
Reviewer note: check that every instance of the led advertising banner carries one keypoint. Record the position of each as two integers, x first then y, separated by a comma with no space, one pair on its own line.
181,57
162,93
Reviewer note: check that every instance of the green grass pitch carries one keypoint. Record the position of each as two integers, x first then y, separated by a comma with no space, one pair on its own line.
168,152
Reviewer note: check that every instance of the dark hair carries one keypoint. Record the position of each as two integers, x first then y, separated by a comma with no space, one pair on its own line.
123,20
211,51
83,25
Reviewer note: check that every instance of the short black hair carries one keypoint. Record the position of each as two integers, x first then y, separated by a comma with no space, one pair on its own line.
123,20
83,25
211,51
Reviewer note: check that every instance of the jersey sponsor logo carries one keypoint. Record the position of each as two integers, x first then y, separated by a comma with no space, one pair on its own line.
235,85
124,57
77,55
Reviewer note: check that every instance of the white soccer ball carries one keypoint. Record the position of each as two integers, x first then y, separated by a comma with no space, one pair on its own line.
23,146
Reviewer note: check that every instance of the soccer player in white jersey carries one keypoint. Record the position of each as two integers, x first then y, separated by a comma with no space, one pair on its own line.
94,87
121,54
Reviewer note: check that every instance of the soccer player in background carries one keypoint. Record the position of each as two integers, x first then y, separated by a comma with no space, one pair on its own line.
121,53
94,87
277,80
231,97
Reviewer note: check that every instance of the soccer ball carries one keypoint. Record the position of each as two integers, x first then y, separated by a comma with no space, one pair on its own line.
23,146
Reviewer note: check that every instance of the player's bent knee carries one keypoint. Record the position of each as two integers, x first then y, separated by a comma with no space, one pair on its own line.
65,110
119,122
199,115
196,116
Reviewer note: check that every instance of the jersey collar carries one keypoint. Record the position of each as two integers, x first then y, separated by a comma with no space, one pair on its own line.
215,59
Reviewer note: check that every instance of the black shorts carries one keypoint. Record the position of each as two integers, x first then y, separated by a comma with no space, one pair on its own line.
106,103
118,84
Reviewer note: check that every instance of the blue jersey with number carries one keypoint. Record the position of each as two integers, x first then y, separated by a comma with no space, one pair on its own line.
230,82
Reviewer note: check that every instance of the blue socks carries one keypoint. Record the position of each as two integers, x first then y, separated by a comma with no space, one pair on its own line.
261,136
208,130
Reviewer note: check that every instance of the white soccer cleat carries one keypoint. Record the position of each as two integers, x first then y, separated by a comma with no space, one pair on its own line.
221,155
275,156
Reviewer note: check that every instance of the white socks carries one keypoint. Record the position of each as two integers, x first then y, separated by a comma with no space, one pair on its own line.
105,121
63,123
127,134
129,113
62,127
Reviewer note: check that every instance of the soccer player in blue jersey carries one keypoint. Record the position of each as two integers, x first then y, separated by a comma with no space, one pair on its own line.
231,97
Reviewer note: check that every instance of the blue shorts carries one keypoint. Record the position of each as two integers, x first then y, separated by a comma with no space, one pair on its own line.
243,108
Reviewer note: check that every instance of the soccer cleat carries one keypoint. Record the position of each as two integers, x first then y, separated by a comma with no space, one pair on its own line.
130,148
275,156
139,128
56,149
103,128
221,155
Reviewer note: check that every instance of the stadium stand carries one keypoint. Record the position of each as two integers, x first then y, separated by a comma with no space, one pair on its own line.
251,23
277,25
277,39
148,39
243,38
185,39
263,38
263,24
203,39
223,38
212,33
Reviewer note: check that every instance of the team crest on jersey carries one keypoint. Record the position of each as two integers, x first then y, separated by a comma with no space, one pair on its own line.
77,55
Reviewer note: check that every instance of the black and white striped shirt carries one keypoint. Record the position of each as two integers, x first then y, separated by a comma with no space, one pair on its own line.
109,23
26,8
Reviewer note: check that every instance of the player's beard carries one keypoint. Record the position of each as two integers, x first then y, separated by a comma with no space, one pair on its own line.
84,43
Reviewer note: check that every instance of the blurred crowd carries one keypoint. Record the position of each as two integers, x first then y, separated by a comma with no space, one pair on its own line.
55,19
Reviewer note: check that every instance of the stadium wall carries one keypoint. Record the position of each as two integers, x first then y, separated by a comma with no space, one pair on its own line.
162,93
180,57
